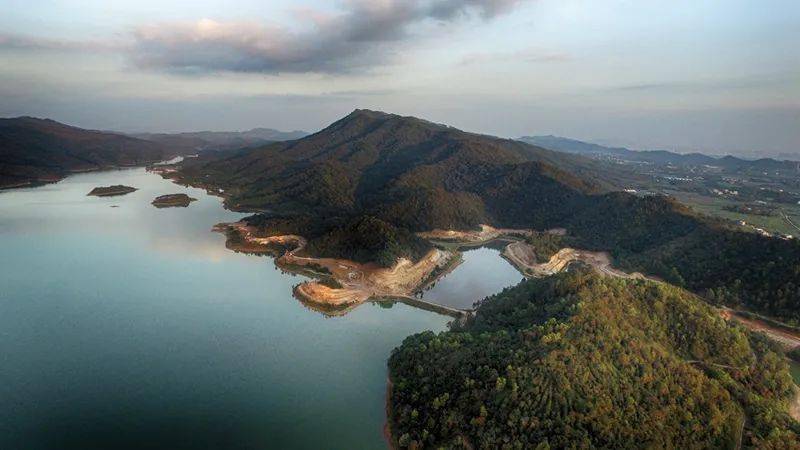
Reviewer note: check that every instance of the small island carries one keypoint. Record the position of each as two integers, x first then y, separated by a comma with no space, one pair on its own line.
111,191
172,201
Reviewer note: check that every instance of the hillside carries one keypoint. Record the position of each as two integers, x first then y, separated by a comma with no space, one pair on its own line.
408,171
580,361
418,176
34,151
200,141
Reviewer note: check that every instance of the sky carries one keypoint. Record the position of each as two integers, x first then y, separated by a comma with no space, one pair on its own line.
719,76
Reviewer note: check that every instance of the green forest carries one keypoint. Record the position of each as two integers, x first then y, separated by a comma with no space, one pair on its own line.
580,361
362,239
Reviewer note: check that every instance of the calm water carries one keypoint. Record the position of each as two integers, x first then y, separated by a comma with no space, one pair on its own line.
484,272
134,327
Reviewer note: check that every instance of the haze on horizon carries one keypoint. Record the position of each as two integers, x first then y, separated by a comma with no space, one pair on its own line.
715,76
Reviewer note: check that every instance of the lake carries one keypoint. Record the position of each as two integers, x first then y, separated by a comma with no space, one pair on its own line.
483,272
132,326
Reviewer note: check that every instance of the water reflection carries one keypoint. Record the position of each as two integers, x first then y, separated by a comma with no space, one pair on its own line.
482,273
134,327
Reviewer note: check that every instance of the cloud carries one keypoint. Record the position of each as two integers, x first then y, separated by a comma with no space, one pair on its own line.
362,36
23,42
706,85
530,55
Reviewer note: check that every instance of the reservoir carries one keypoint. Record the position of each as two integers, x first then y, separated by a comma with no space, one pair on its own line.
127,326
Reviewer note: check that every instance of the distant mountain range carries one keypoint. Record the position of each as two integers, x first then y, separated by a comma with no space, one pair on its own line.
35,151
200,141
730,163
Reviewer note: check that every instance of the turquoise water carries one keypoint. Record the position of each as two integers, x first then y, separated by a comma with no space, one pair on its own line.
134,327
482,273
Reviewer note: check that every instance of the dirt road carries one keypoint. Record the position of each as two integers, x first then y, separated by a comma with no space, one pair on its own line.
523,257
788,339
788,220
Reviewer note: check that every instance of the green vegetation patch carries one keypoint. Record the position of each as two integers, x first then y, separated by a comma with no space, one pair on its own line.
545,245
580,361
369,239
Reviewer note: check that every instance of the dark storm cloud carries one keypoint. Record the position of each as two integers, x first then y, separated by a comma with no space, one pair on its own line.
358,38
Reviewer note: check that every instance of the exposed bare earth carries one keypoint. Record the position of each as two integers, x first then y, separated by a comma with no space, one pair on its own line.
485,234
357,282
523,257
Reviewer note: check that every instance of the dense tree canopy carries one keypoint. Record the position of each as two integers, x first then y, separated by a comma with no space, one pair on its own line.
580,361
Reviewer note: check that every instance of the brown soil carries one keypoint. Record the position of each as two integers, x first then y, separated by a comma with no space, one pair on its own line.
485,234
523,257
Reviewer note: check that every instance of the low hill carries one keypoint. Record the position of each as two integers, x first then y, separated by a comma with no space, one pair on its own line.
581,361
34,151
201,141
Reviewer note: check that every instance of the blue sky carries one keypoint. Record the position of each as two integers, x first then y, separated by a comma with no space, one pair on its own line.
716,76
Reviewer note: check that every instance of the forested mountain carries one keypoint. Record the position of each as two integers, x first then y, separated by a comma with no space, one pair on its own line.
408,171
581,361
40,150
415,175
729,163
200,141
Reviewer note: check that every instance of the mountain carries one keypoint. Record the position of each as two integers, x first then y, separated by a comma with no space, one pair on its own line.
380,176
408,171
729,163
194,142
34,151
577,360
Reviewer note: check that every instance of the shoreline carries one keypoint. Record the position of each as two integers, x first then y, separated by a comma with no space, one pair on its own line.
388,433
341,284
37,182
